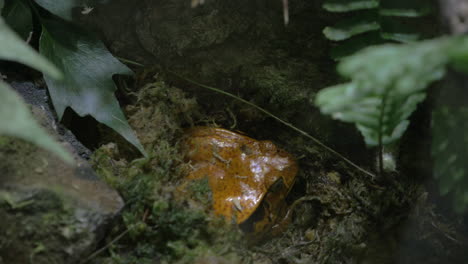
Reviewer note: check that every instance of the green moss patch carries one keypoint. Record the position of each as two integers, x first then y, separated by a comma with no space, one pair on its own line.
161,222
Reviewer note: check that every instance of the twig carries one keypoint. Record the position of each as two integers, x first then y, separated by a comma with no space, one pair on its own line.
285,12
305,134
99,251
130,62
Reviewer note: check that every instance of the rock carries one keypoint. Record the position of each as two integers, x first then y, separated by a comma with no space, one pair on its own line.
454,14
51,212
36,96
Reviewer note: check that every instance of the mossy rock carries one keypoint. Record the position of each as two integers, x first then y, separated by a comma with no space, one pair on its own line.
52,212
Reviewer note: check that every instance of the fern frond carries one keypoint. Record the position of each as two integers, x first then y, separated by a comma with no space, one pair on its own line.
346,5
399,30
354,44
387,83
405,8
351,27
379,117
382,16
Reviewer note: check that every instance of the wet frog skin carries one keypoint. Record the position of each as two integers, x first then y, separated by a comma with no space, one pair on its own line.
246,176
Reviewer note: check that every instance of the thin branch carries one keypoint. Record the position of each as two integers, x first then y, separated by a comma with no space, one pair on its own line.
130,62
286,12
305,134
99,251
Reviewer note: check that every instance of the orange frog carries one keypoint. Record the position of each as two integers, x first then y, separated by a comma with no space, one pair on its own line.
249,179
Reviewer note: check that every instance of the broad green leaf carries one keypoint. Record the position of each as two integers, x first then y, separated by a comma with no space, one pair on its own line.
18,16
350,27
349,5
88,67
2,4
17,121
13,48
449,151
387,84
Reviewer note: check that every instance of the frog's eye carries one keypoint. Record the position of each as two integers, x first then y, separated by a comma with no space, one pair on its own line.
277,186
245,149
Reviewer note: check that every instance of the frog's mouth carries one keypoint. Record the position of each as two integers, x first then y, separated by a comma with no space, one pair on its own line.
263,218
248,226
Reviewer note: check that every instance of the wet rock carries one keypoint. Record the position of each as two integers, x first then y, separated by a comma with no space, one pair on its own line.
51,212
37,96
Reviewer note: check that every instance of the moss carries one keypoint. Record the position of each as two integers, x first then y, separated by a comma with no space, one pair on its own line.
283,85
163,227
161,222
4,141
200,191
10,167
159,113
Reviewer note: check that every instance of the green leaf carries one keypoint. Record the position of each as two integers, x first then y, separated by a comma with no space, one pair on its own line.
418,12
408,68
18,16
18,122
354,44
354,26
2,4
449,150
459,54
387,83
400,30
400,37
391,21
88,67
374,115
349,5
13,48
405,8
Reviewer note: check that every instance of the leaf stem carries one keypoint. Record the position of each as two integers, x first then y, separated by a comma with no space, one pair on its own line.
381,132
380,155
305,134
130,62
